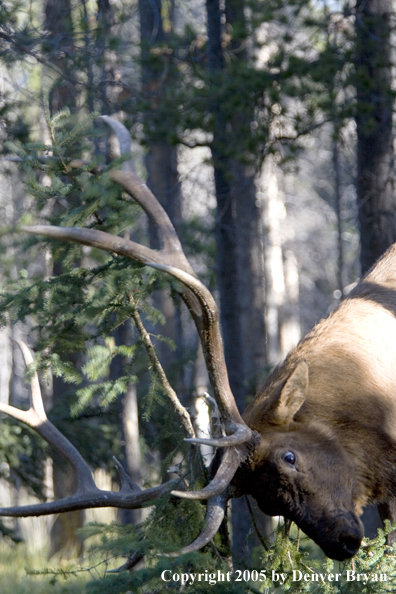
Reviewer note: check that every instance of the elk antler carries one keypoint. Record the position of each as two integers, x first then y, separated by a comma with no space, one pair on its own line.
87,494
239,439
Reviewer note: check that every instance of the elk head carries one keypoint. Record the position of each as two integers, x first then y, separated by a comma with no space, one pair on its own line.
264,454
299,470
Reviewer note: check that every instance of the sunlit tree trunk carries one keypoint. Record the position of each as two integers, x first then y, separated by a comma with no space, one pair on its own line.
281,271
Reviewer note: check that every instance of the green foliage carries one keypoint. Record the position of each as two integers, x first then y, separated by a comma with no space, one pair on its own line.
292,564
65,304
306,570
22,454
77,299
19,567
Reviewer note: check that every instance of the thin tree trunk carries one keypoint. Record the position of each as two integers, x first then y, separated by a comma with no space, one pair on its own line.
273,214
60,44
337,196
63,532
129,424
375,162
282,279
376,198
161,165
59,27
105,21
240,270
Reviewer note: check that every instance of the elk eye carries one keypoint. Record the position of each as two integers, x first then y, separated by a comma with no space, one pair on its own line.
289,458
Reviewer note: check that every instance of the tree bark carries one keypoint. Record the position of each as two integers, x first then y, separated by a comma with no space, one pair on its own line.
375,161
240,273
59,44
251,282
338,209
129,424
161,164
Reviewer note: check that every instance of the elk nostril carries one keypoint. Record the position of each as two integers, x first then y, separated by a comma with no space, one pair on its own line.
350,545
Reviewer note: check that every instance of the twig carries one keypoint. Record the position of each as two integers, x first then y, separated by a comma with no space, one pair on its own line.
253,518
159,371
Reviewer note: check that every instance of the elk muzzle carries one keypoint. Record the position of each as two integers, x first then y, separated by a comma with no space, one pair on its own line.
339,536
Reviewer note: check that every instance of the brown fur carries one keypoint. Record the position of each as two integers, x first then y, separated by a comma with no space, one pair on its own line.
332,403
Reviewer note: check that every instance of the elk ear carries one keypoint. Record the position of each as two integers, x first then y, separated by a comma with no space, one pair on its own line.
293,394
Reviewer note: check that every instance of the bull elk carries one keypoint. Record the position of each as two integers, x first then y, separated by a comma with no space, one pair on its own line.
317,444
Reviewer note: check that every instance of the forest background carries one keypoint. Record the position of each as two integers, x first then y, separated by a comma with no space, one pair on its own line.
265,129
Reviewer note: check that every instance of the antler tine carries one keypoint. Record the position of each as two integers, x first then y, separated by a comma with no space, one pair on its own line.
36,418
231,460
215,512
124,140
36,401
135,187
87,494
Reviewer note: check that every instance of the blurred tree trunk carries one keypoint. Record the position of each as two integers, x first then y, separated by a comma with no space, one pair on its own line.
226,215
376,198
251,286
375,161
238,239
60,44
105,22
227,260
161,156
157,72
281,270
63,532
129,423
338,208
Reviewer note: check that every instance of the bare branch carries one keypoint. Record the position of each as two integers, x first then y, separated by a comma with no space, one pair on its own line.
160,373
